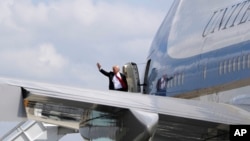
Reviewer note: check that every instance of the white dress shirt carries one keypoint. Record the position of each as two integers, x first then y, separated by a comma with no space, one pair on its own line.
116,82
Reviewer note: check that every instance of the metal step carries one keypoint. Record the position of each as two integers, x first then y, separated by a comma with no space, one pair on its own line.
32,130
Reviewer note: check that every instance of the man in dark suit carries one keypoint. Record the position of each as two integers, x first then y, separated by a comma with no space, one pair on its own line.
117,80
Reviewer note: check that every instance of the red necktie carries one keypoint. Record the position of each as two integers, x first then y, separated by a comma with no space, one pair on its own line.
122,82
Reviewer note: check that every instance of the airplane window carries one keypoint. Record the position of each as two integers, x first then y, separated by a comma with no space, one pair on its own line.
248,61
182,78
229,65
239,63
225,66
234,64
204,72
244,62
220,68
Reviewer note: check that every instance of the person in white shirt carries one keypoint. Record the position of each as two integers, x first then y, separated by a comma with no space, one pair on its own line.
117,80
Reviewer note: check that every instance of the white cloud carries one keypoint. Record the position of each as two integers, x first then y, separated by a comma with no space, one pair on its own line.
27,13
50,58
43,61
61,40
81,14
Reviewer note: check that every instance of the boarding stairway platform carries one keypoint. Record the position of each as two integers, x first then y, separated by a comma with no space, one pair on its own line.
32,130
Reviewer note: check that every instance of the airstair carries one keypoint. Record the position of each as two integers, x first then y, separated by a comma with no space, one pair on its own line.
32,130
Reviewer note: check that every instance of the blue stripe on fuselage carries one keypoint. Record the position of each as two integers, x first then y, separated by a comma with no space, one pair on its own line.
192,69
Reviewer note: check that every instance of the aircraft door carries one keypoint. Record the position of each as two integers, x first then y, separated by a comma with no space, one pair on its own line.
146,78
132,74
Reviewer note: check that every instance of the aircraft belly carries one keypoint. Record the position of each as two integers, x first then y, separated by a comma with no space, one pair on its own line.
174,128
127,125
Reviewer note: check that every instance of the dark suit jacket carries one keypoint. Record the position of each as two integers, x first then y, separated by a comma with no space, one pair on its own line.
110,75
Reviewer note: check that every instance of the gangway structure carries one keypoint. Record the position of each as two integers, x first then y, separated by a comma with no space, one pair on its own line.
32,130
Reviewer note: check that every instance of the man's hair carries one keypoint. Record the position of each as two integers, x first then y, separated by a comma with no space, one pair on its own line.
116,67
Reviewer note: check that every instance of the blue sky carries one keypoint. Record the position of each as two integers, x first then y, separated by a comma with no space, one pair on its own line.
60,41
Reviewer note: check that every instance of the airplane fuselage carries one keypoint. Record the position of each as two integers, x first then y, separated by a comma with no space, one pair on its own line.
201,51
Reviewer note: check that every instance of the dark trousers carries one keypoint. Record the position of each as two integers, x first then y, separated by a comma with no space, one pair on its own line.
121,89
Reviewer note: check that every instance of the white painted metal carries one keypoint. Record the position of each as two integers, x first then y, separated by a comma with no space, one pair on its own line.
11,99
25,131
132,74
32,130
199,110
167,108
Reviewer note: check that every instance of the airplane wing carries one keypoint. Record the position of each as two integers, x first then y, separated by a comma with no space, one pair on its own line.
118,115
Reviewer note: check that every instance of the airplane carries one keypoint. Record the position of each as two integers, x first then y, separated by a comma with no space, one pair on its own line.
196,83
